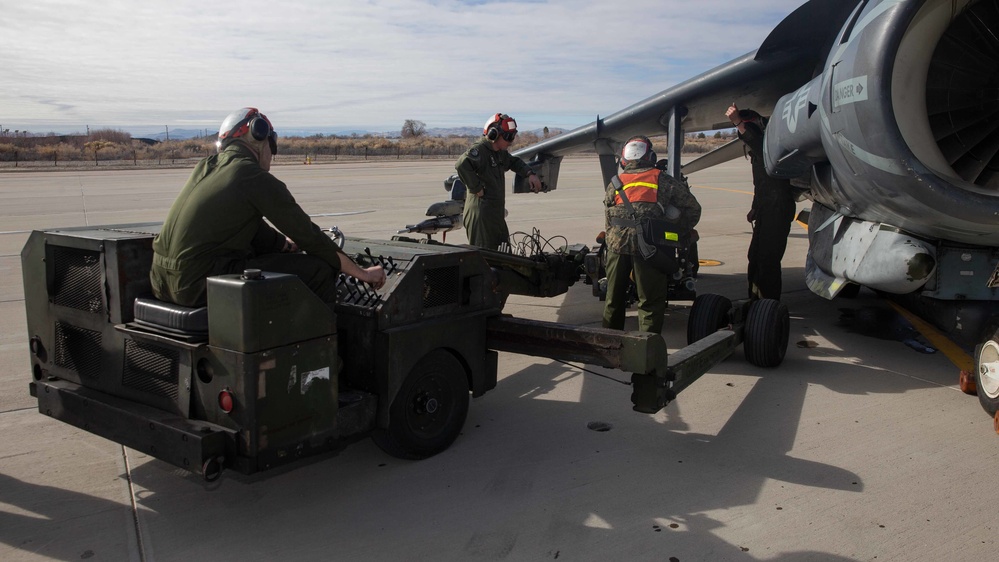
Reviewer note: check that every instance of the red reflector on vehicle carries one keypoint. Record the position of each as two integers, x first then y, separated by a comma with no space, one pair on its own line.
226,401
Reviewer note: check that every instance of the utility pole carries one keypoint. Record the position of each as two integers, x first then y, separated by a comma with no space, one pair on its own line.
168,131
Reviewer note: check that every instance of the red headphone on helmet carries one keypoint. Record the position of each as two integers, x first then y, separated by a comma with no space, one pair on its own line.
500,125
248,120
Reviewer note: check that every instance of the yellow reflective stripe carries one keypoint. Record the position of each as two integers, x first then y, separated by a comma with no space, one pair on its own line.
642,184
672,236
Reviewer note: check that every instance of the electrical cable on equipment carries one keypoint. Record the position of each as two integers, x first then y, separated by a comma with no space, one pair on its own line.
533,244
608,377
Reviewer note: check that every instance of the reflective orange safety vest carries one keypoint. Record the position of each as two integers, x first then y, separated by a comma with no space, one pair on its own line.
643,186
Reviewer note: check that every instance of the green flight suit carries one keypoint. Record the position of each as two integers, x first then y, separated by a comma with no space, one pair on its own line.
216,226
481,167
623,258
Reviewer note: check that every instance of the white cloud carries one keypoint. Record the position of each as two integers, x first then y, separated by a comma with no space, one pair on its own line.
369,64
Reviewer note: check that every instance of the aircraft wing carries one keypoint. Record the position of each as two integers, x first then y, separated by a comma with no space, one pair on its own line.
728,151
789,57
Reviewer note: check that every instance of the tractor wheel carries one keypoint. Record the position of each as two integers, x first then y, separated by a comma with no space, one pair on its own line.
708,314
429,411
766,332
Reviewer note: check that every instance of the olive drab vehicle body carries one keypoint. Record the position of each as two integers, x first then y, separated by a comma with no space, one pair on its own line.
262,377
267,373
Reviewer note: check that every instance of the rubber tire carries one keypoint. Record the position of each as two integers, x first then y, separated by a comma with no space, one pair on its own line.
413,432
767,328
708,314
990,348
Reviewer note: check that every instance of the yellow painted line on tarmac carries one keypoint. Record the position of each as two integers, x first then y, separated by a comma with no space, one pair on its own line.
957,356
742,191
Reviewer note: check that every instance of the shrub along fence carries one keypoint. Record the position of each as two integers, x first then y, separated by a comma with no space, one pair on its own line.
119,150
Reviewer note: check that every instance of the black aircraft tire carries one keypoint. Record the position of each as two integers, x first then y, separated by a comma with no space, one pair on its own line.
708,314
429,411
987,374
768,325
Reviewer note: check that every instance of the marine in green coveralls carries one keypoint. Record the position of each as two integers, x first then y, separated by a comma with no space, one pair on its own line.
771,213
216,225
482,168
651,192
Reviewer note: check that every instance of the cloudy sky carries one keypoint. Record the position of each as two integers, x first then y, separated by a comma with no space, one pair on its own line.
356,64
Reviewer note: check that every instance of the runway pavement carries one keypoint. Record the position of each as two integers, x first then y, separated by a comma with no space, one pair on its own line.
856,448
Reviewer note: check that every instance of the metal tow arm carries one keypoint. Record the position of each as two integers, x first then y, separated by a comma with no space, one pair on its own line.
655,379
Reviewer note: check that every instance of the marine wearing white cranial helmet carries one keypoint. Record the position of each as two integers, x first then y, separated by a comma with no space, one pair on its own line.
638,149
249,126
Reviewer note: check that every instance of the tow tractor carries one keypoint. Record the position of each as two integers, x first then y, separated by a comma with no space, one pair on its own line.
267,373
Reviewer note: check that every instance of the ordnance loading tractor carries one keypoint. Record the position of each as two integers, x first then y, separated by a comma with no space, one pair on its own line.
267,373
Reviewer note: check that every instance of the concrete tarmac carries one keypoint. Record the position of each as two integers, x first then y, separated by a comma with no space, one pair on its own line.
856,448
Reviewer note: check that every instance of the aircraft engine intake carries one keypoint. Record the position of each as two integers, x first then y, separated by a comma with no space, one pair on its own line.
905,110
962,90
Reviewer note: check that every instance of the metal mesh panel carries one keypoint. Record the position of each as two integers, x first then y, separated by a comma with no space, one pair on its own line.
78,350
151,369
440,286
77,279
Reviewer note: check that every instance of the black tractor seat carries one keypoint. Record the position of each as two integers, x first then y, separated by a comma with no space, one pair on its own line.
182,322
